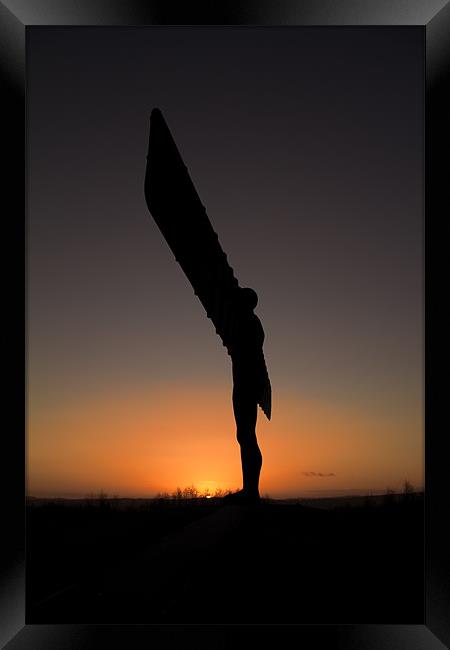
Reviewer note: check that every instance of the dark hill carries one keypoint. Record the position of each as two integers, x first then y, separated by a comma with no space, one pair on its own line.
214,563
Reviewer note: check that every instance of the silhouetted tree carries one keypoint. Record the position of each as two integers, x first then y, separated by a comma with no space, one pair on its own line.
408,493
389,498
178,494
190,492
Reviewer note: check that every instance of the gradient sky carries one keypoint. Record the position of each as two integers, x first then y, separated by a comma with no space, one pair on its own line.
306,147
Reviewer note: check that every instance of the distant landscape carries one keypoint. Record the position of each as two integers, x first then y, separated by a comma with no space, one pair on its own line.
189,558
192,496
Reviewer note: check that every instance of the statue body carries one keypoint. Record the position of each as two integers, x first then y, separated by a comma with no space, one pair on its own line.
176,208
250,387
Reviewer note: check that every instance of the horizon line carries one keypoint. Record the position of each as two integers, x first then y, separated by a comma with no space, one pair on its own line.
315,494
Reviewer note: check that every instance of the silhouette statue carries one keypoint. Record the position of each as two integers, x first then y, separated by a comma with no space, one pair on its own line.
176,207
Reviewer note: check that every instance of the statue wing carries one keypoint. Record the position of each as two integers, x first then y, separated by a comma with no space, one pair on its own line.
182,219
265,399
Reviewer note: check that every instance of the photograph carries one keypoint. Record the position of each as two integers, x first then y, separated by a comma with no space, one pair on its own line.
226,244
225,325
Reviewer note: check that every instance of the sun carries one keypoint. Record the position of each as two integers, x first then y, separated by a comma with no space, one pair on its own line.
207,487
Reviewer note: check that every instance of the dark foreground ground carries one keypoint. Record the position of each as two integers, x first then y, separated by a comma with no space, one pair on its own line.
205,562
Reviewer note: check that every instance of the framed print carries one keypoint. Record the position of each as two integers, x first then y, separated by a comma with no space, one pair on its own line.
228,426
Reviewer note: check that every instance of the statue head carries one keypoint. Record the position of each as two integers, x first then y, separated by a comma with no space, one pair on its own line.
248,298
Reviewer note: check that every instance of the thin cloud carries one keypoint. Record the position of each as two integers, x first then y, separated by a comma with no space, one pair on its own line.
318,474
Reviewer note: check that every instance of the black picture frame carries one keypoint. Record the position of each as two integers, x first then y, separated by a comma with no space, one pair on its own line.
16,17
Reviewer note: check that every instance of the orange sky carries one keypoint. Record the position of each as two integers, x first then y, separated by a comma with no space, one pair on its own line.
154,440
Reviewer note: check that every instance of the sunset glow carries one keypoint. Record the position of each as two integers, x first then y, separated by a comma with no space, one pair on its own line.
157,440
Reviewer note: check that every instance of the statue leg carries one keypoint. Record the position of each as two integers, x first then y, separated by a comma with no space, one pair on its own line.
245,412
